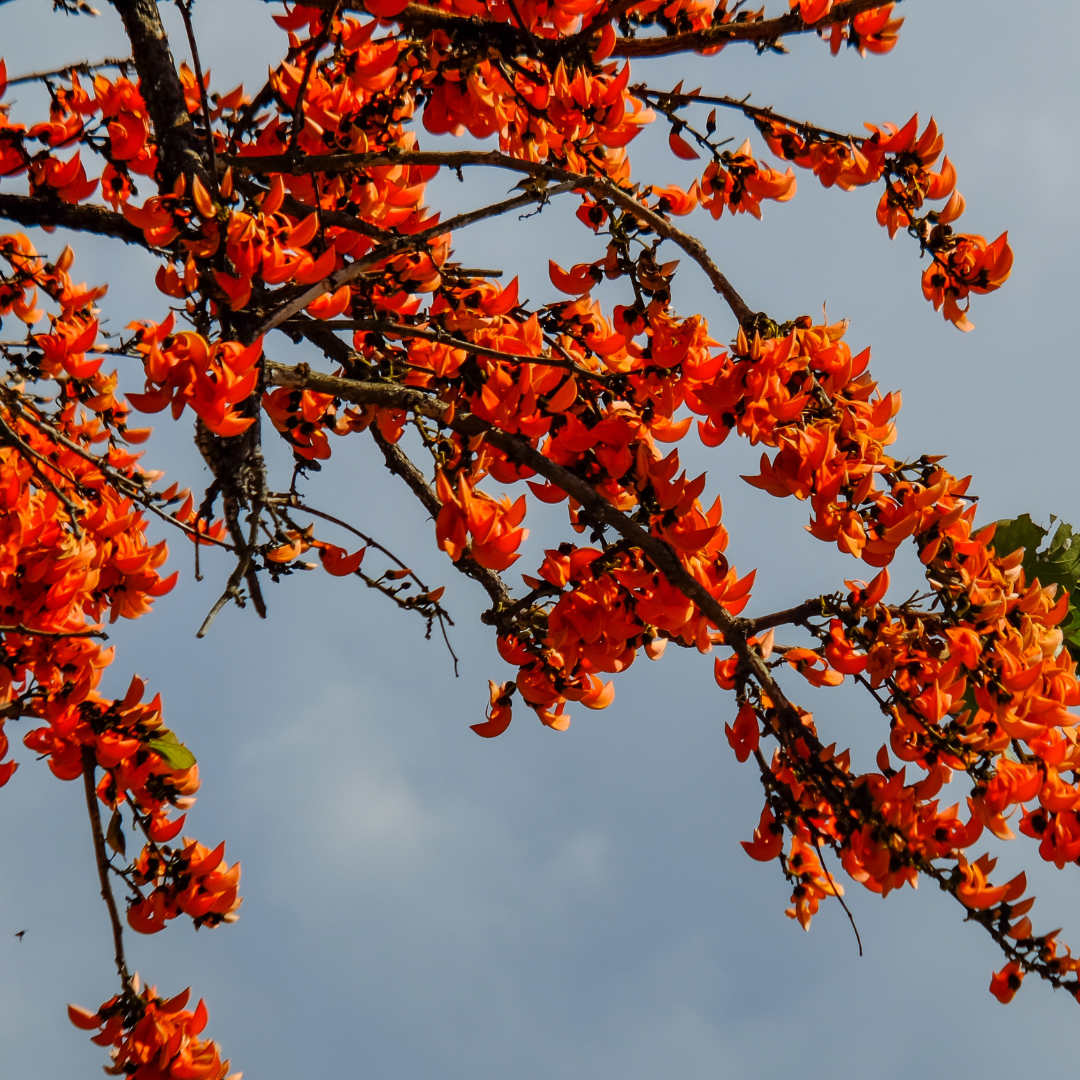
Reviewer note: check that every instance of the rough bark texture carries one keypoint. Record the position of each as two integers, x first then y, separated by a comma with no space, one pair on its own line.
180,149
31,212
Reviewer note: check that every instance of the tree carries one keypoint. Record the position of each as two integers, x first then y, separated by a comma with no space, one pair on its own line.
301,211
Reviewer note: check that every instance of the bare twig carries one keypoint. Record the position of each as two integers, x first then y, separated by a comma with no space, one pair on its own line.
84,67
59,634
185,14
103,865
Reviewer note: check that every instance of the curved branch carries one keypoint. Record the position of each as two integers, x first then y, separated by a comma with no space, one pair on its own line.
734,630
396,246
762,33
456,159
511,40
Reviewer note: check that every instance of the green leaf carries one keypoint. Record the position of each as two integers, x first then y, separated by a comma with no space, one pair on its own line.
176,755
1021,532
1058,564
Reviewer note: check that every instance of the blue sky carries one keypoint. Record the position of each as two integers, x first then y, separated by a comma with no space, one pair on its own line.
423,904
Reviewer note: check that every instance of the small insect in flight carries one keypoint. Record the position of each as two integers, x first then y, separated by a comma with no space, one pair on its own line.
19,935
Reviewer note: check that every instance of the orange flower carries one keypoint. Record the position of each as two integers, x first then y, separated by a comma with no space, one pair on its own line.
744,736
491,524
969,265
768,839
152,1039
1006,982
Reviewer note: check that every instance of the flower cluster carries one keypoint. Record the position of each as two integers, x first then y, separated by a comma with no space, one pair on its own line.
154,1039
193,881
185,369
982,675
962,263
303,210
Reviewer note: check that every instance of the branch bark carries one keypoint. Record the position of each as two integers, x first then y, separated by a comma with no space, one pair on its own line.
513,41
455,159
180,150
30,211
761,33
735,631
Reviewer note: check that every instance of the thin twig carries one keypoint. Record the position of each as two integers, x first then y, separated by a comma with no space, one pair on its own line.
103,866
59,634
185,14
564,178
836,892
83,68
441,337
316,48
26,448
239,573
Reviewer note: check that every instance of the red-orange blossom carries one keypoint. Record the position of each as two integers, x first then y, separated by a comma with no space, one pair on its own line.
299,210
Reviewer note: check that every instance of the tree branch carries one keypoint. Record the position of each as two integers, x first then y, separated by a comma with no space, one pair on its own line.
761,33
103,865
83,67
456,159
441,337
401,465
734,630
795,615
512,41
399,244
196,63
31,211
398,462
57,634
757,113
180,149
